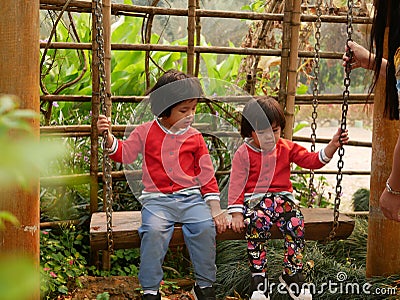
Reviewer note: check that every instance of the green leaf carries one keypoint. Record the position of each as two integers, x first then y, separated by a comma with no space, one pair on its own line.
63,289
7,104
19,278
302,89
103,296
6,216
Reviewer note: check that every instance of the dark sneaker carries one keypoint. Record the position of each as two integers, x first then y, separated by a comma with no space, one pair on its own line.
259,288
151,296
296,287
207,293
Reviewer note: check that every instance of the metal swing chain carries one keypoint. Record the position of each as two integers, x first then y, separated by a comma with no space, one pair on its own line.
345,105
314,113
106,159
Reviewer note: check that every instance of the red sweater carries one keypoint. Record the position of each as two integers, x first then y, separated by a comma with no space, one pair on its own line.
256,171
171,162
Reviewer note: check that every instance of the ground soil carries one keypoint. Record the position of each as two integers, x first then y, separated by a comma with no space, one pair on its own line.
124,287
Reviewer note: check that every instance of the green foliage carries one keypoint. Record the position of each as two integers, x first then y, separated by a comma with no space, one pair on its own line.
124,262
62,259
22,158
103,296
361,200
255,6
226,69
301,186
18,277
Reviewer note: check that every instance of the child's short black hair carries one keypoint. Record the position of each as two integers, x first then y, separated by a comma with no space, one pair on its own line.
171,89
261,114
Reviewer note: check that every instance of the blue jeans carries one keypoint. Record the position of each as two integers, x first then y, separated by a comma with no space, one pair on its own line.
158,218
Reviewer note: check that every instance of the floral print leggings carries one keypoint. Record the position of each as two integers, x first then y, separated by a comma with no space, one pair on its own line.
279,209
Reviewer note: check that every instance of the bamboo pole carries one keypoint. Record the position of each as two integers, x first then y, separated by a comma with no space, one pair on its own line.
285,52
107,54
19,75
300,99
292,70
198,39
130,10
383,257
57,224
106,12
191,33
79,179
197,49
94,135
148,25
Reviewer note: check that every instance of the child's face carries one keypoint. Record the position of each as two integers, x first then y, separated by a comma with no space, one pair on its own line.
182,115
264,140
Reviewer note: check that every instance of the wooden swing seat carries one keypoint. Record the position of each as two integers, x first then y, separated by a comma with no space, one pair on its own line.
125,225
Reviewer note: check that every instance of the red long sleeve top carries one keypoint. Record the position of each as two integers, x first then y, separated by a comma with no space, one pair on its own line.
171,162
255,171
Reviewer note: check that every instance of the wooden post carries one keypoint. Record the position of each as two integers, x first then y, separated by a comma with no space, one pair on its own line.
383,257
292,72
19,75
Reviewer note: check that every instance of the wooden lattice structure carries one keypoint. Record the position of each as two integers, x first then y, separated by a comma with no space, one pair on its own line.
289,54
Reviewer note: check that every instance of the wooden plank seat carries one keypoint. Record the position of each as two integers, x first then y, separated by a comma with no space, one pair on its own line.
318,225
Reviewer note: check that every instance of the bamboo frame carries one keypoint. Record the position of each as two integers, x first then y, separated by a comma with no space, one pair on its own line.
299,99
183,49
121,9
120,130
292,16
